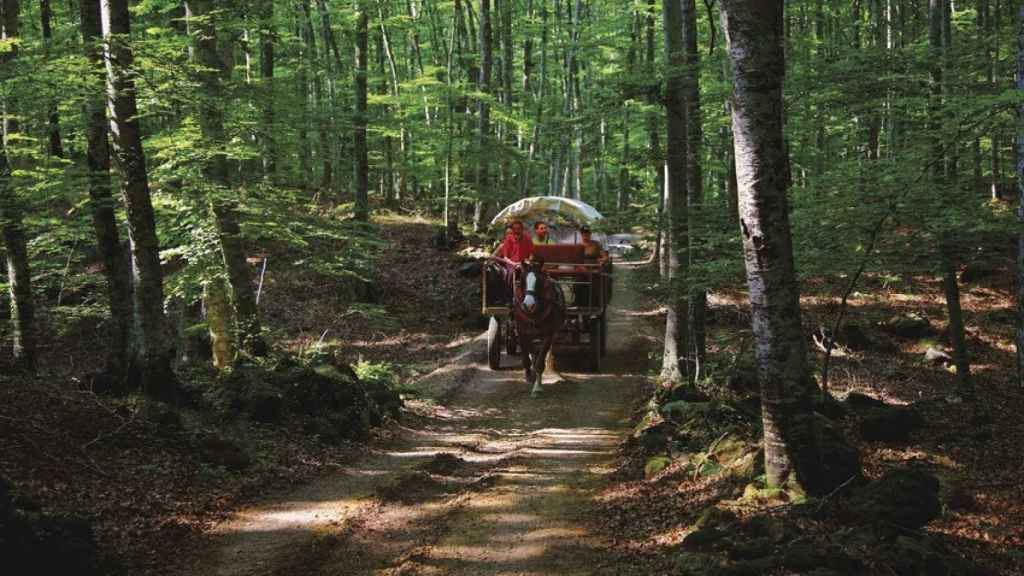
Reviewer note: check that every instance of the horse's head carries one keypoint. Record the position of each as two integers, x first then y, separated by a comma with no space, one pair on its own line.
532,287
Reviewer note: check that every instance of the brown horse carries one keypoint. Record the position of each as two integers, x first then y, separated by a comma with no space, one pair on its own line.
539,312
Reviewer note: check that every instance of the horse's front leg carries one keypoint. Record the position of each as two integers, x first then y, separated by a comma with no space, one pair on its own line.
538,363
524,353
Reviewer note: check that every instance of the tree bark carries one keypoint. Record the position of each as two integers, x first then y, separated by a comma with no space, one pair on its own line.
156,344
673,366
223,203
754,35
115,269
19,275
694,186
359,121
267,37
484,112
1020,193
56,145
957,338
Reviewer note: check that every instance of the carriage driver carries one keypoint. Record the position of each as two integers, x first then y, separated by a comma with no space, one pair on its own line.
516,248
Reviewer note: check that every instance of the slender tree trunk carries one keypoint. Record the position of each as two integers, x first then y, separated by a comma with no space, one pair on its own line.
301,66
19,275
115,269
321,109
673,367
156,344
484,112
223,202
1020,193
267,37
754,35
56,145
359,121
694,186
937,31
956,321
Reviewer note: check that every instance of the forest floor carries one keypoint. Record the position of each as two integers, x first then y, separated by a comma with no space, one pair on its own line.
487,480
478,478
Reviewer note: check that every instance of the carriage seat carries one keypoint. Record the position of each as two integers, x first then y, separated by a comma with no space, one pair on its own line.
559,253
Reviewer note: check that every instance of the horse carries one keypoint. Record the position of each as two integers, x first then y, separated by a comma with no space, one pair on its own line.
538,310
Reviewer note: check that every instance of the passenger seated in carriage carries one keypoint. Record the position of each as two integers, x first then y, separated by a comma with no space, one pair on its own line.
515,248
593,253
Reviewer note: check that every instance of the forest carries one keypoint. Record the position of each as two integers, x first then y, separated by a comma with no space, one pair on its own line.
245,328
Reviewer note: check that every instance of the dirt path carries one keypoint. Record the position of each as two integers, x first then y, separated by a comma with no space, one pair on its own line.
490,481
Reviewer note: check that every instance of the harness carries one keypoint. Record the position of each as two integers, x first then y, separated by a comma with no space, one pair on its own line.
547,299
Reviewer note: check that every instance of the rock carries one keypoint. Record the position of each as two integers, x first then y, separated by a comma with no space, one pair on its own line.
751,549
840,460
906,497
265,403
854,337
911,555
977,270
890,424
220,451
908,326
702,538
715,517
858,401
804,557
775,529
653,433
936,356
36,543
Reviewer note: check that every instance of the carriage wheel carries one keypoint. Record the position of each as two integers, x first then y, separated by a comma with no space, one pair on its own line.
604,334
595,345
511,340
494,344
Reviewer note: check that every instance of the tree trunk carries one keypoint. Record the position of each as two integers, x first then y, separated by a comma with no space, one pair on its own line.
753,32
484,113
19,275
694,185
219,323
56,145
359,121
673,367
1020,192
119,289
156,344
956,321
223,202
267,36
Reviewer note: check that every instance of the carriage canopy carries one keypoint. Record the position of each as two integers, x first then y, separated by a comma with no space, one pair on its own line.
547,207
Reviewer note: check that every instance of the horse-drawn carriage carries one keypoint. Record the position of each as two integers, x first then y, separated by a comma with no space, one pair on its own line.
580,286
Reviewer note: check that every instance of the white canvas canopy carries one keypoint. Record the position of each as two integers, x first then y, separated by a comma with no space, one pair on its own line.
547,207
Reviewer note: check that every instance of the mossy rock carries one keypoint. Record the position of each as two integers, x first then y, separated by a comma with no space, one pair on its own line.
703,538
656,464
715,517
